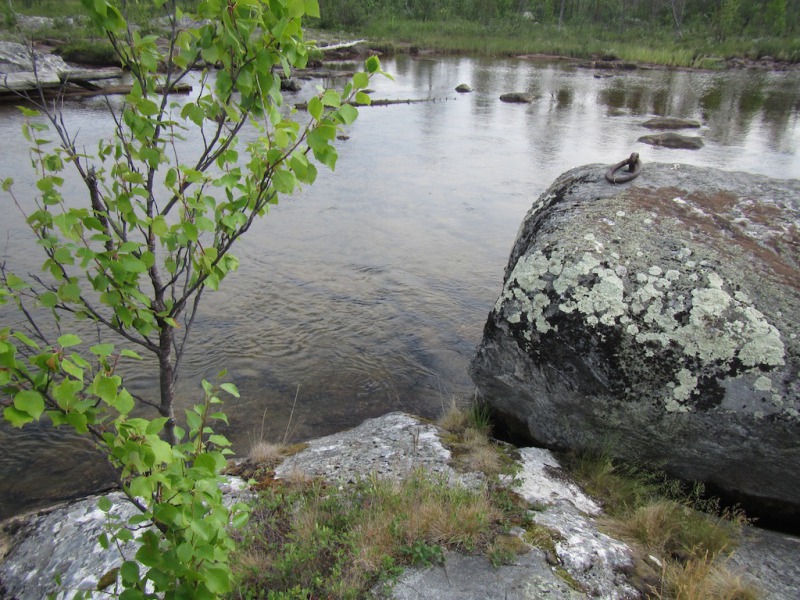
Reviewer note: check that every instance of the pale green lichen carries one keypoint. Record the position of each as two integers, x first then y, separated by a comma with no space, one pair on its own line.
763,384
705,322
687,383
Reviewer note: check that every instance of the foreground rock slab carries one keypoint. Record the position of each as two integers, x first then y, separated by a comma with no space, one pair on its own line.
62,541
584,563
658,320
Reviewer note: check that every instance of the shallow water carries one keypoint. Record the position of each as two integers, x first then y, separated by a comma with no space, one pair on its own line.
368,291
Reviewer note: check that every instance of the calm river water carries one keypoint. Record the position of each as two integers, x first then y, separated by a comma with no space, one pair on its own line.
368,291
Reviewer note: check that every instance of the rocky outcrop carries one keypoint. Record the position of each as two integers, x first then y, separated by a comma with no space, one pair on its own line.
657,320
582,563
22,69
671,139
62,541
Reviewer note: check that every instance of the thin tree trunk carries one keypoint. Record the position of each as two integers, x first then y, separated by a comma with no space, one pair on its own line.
561,13
166,372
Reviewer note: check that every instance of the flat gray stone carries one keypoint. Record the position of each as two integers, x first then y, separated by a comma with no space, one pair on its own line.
461,577
671,123
673,140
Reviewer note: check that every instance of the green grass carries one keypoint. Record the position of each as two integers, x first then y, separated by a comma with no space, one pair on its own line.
629,42
632,44
310,539
691,533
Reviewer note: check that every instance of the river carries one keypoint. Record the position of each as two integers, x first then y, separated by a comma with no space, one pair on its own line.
368,291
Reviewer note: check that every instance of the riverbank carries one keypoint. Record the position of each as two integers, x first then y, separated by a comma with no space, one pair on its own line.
636,45
399,504
72,38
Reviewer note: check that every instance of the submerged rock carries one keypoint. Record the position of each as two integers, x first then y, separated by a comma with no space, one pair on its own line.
517,97
657,320
670,139
671,123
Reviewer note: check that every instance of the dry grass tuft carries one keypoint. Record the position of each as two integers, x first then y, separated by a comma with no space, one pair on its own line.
454,419
703,579
266,453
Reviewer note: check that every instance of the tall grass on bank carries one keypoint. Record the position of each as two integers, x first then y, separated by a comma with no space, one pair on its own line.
634,44
692,535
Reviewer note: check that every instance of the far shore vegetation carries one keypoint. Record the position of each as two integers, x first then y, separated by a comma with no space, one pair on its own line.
675,33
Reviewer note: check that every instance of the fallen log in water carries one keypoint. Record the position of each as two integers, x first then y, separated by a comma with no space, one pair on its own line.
84,91
381,102
340,45
26,81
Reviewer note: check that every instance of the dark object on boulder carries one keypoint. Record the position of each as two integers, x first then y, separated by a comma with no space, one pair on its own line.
657,321
463,88
671,123
517,97
634,164
672,140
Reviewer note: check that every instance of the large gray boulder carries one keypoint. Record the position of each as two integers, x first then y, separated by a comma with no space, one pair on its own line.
657,320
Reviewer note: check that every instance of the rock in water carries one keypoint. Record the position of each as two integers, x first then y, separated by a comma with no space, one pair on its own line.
517,98
670,139
671,123
659,320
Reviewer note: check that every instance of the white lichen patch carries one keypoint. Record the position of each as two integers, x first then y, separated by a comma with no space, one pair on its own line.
687,383
763,384
689,309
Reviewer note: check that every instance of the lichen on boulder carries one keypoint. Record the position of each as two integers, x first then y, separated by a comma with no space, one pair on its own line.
658,319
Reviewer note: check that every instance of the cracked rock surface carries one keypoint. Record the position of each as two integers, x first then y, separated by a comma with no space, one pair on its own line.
584,562
658,319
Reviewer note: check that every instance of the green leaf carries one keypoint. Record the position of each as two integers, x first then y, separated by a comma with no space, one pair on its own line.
348,113
102,350
129,571
230,388
48,299
29,402
130,354
315,108
71,369
219,440
218,580
148,108
373,64
156,425
284,181
185,552
104,504
15,417
124,402
25,340
65,341
360,80
240,520
106,387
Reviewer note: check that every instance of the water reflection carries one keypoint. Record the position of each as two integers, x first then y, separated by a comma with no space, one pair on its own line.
368,291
